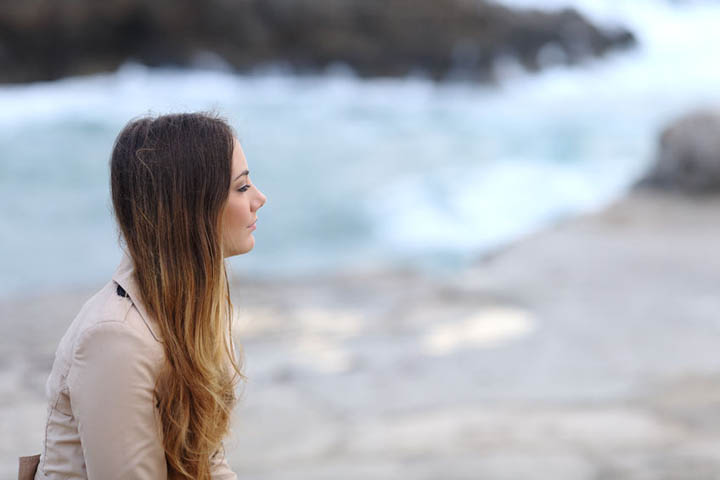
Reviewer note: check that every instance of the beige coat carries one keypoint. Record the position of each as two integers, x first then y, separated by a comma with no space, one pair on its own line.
102,422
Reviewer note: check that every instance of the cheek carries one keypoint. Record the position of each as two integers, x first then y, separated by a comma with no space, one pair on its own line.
234,217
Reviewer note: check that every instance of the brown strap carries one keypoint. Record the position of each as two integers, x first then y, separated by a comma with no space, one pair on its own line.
28,467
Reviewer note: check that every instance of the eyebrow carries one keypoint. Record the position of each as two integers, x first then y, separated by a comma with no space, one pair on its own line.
246,172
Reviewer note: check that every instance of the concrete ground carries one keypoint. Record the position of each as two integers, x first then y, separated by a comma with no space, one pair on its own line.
587,351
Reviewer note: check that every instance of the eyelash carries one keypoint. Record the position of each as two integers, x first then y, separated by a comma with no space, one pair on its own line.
243,188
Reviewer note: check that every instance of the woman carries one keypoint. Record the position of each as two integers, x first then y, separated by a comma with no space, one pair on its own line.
144,379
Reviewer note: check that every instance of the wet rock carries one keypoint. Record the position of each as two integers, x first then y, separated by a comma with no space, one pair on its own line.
43,40
688,155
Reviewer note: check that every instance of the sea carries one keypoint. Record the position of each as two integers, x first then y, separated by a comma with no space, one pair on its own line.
362,174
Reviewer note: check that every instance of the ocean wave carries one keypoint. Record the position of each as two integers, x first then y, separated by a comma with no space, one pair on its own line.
359,172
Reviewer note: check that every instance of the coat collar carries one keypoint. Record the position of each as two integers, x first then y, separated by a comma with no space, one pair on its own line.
125,277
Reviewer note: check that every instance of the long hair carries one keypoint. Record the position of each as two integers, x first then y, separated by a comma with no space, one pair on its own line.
170,179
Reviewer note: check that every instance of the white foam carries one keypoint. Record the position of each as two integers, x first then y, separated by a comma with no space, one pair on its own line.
360,171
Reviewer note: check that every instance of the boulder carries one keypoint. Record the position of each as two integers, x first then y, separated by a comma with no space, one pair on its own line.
688,155
46,39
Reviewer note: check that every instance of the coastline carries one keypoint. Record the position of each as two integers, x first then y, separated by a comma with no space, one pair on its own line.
584,350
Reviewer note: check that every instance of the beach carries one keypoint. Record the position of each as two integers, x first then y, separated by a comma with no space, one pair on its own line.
585,351
470,264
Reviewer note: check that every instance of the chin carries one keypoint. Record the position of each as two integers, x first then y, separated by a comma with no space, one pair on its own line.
246,248
236,249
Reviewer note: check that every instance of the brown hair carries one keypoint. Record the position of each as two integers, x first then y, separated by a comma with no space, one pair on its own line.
170,178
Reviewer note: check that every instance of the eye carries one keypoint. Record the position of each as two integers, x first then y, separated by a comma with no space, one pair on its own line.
243,188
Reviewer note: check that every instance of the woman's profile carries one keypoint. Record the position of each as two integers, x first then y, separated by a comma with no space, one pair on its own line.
143,382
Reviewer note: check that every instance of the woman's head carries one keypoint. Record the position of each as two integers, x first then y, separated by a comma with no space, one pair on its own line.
177,183
184,202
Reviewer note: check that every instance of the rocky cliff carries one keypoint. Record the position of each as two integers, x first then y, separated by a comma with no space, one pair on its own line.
45,39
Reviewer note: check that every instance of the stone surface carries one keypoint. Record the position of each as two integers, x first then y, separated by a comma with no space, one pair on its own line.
688,155
615,374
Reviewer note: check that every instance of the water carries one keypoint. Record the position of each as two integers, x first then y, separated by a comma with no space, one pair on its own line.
360,173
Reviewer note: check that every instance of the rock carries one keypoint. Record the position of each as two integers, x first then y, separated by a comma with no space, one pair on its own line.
44,40
688,155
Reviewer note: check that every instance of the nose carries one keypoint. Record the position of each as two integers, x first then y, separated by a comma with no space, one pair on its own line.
260,201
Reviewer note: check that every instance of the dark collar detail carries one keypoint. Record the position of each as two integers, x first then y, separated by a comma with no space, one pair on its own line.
121,291
124,276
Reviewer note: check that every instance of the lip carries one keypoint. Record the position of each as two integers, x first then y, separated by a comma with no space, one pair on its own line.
253,224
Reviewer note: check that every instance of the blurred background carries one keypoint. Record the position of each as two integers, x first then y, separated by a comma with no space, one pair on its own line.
488,249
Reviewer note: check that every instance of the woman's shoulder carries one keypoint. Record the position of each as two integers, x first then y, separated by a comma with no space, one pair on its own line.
111,319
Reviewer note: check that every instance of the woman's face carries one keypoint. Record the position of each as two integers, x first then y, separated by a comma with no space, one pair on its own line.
240,212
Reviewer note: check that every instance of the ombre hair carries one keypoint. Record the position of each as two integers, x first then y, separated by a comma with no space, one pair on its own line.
170,179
